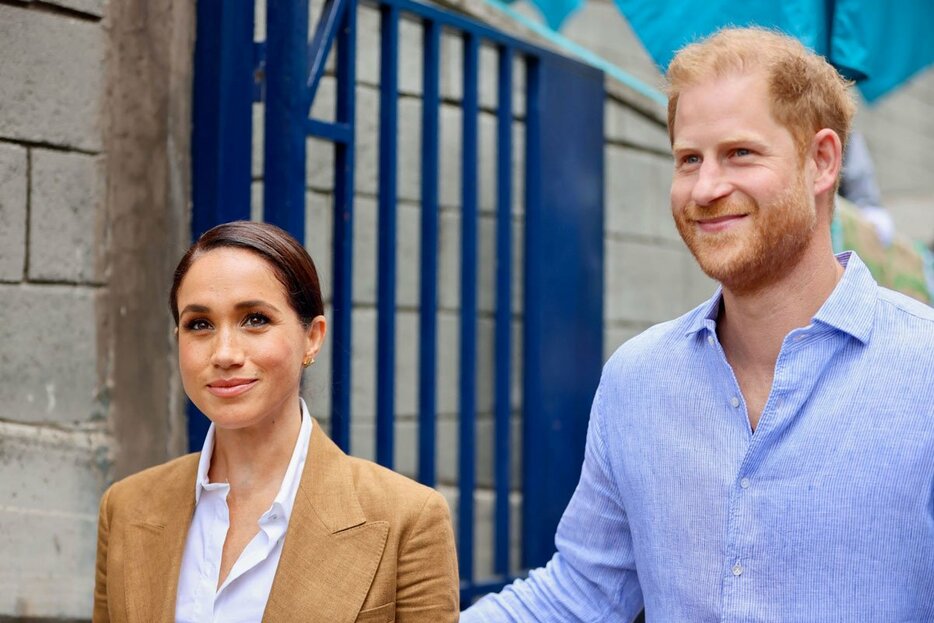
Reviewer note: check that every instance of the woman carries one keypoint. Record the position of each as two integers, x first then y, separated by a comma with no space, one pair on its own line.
271,521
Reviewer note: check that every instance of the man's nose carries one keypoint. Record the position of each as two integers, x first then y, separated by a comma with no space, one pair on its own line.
228,351
711,184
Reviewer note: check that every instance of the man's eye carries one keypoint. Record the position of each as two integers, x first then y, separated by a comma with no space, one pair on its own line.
741,151
198,324
690,159
256,320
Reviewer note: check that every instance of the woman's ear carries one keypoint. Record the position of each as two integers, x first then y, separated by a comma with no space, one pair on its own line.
314,337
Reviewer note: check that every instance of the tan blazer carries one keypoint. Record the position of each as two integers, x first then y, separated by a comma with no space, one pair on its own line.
364,544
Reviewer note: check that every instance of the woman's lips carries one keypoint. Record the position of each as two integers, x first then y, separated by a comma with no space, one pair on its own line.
719,223
227,388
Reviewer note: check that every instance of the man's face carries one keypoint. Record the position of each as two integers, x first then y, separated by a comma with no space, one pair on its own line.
739,195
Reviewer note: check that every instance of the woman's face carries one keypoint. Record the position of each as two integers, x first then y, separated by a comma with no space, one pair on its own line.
240,343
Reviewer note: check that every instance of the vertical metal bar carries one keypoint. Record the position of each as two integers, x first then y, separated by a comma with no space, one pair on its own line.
223,113
386,287
222,130
343,231
532,486
501,432
427,341
286,113
468,324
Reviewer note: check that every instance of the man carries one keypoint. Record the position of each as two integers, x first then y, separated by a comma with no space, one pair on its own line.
769,456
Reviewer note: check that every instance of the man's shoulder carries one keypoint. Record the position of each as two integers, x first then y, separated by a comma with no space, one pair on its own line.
661,341
897,305
903,322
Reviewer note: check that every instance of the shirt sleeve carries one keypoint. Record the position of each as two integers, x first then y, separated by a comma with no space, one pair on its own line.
592,576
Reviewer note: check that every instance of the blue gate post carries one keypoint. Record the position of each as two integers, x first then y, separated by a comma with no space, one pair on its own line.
221,139
344,158
563,332
286,115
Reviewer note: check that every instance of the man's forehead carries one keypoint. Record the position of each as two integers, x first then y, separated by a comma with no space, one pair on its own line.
725,95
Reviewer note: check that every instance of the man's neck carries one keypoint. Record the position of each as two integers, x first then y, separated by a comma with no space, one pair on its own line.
752,325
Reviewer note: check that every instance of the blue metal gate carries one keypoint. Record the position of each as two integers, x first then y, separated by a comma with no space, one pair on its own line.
563,246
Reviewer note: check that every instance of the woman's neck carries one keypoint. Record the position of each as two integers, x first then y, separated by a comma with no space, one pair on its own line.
256,457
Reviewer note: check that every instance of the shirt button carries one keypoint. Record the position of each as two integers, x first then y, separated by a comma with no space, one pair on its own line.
710,340
798,338
734,401
744,483
737,569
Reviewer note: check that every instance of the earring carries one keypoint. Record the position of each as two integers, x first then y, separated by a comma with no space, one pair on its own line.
307,362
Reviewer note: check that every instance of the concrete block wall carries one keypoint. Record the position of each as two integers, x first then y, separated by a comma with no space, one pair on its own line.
89,93
899,130
54,443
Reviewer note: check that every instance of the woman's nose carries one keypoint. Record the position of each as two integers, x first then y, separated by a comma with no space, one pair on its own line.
227,349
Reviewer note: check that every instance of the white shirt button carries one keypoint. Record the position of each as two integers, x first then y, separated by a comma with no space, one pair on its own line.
798,337
737,569
744,483
734,401
710,340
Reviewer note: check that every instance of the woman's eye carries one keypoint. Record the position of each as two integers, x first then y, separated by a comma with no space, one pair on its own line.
256,320
198,324
741,151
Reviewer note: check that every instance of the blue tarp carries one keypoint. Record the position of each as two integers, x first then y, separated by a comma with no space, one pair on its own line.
880,44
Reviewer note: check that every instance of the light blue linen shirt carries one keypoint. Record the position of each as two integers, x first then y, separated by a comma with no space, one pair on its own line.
825,513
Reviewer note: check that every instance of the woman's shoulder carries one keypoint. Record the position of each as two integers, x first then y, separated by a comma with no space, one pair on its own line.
384,493
153,484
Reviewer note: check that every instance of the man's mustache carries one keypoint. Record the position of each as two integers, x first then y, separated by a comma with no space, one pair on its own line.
720,208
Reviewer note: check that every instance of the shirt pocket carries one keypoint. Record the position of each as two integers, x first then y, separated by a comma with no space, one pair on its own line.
381,614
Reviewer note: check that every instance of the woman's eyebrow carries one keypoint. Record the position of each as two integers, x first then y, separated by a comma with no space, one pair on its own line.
255,303
195,309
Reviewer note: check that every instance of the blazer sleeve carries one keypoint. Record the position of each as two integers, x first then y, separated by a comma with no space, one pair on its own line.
101,613
428,588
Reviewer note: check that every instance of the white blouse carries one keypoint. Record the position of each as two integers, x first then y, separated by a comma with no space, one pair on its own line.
243,596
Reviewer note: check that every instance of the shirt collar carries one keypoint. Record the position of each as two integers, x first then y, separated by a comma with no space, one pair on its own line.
852,304
285,498
849,308
705,316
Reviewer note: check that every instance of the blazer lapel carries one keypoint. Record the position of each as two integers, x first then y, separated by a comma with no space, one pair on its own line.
155,543
331,552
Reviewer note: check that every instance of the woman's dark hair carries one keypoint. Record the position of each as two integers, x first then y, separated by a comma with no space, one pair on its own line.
289,260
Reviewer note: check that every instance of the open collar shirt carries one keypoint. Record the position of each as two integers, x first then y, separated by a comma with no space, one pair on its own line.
243,595
825,513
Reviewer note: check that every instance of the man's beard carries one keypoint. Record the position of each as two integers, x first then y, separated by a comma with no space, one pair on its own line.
749,257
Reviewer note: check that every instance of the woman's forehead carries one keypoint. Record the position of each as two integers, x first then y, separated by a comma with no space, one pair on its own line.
228,271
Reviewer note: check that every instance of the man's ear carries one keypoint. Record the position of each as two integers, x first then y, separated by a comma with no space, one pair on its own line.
826,157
